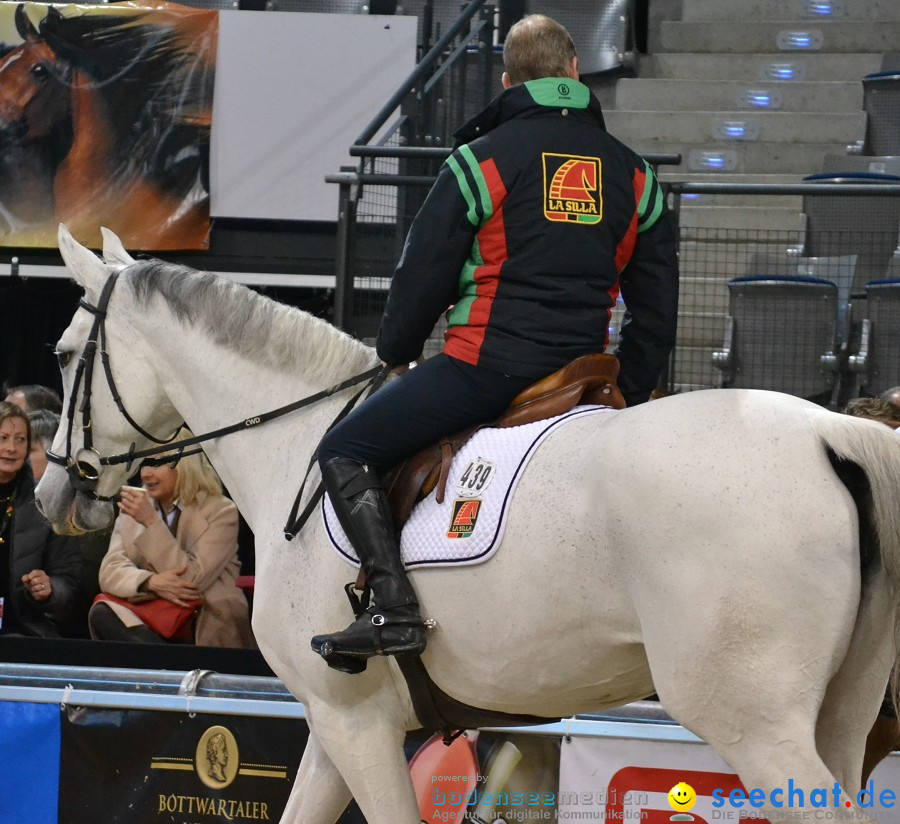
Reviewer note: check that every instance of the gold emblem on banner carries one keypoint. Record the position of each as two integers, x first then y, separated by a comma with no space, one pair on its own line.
217,759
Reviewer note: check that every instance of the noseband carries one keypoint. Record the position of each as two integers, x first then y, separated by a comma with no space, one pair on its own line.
84,475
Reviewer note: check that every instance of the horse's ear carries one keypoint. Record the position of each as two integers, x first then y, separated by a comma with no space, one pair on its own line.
113,251
24,26
84,266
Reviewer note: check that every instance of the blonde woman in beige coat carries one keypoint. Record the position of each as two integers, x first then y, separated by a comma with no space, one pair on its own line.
175,538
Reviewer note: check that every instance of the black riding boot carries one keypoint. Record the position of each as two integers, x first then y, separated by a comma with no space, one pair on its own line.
393,625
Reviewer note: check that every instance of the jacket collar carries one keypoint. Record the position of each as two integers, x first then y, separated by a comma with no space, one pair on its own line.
530,98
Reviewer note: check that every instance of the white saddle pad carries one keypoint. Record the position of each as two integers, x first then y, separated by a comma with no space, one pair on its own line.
468,526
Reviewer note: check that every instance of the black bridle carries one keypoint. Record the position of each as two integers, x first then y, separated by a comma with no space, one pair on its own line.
86,465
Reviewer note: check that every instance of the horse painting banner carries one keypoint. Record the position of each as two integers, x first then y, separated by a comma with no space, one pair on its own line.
105,119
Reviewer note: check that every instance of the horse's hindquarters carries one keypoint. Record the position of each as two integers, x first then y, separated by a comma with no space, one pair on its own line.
699,527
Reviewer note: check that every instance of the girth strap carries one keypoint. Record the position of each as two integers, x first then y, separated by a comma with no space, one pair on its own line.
439,712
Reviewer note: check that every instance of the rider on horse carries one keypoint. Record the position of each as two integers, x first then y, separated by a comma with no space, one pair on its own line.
535,222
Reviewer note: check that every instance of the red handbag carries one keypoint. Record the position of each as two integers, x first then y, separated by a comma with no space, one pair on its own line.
163,617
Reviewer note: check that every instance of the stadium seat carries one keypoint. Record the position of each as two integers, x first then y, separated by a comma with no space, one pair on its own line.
881,101
781,335
867,226
838,270
876,366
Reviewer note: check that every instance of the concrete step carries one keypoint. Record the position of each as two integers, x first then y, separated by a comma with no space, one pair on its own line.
805,10
700,329
725,260
746,219
755,199
765,127
699,295
774,37
693,368
760,67
698,177
701,318
639,94
743,157
696,327
793,203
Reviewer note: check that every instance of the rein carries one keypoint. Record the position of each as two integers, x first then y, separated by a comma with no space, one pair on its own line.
84,476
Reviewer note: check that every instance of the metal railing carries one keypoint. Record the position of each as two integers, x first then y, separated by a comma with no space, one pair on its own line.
202,691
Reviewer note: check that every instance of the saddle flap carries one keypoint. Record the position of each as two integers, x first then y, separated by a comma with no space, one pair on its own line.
414,479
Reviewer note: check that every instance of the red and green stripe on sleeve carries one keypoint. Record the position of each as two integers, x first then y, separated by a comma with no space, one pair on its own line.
483,192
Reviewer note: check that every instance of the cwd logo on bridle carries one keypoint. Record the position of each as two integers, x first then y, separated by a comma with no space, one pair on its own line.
572,188
465,514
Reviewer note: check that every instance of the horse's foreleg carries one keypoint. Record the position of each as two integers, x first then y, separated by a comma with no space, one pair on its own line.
319,794
856,691
365,743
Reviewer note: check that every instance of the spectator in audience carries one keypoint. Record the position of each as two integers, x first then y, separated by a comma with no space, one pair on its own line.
93,545
44,424
875,409
176,540
892,396
40,571
33,396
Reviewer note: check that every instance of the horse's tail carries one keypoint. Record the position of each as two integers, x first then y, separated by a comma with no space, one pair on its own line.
876,450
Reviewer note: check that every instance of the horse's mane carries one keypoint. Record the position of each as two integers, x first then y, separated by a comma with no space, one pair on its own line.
5,48
157,100
270,333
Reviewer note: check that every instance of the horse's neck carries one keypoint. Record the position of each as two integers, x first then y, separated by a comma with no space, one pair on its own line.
262,467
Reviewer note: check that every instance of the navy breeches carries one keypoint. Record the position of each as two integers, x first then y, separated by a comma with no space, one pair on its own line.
439,397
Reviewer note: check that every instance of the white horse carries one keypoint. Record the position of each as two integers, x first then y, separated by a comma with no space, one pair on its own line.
702,546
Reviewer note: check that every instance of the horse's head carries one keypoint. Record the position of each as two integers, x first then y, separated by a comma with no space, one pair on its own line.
112,393
35,98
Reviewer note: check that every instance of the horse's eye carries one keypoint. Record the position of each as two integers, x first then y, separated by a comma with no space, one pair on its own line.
63,358
39,70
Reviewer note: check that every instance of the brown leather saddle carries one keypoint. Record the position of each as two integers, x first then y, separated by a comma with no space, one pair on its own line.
590,379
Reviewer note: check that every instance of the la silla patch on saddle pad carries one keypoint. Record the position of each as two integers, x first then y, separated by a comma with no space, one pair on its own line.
467,527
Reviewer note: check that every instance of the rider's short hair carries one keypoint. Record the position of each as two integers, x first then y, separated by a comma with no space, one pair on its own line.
537,46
